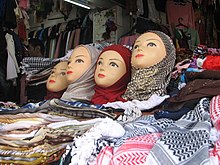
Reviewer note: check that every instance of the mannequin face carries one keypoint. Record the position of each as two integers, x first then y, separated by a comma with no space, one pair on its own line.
110,68
57,80
79,62
148,50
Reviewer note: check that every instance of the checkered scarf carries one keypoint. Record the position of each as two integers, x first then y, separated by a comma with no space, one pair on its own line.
154,79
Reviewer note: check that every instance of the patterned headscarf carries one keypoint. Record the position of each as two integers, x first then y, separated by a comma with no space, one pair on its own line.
83,88
152,80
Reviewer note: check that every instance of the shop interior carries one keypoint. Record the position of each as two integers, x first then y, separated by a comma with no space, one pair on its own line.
162,113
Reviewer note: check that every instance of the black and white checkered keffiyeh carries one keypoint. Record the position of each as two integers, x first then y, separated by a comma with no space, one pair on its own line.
143,126
186,141
33,64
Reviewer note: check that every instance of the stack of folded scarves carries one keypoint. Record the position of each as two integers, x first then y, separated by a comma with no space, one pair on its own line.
36,138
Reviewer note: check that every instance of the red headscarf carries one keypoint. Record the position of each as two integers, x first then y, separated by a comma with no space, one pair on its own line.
54,95
114,92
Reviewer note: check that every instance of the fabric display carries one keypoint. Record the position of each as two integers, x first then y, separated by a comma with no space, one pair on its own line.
133,151
41,136
80,110
185,139
84,155
140,135
33,64
214,111
198,87
164,114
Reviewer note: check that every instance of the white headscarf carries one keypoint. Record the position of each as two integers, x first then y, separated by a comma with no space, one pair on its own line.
83,88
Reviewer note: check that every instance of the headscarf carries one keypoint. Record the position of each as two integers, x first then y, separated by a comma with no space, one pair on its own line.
54,95
114,92
83,88
152,80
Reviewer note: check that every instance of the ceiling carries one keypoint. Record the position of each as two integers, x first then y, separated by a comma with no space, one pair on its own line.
104,3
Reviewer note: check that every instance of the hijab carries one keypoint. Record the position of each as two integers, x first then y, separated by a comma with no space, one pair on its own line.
152,80
114,92
83,88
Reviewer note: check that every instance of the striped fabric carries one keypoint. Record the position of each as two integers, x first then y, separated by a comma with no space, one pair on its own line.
133,151
215,111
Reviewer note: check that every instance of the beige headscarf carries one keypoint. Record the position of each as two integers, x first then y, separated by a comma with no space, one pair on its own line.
83,88
154,79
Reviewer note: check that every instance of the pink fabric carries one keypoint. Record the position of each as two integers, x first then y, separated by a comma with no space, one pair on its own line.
105,156
24,4
133,151
215,153
175,11
214,51
214,110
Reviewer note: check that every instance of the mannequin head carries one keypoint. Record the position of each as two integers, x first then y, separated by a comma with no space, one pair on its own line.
112,74
110,68
148,50
78,64
80,72
57,80
111,65
153,58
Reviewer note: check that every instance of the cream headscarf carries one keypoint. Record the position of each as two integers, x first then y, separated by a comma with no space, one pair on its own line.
83,88
154,79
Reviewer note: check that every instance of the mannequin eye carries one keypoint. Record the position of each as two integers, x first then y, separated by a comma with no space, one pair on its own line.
151,44
136,46
63,73
99,63
113,64
79,61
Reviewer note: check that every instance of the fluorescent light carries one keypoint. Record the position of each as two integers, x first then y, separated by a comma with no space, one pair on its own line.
78,4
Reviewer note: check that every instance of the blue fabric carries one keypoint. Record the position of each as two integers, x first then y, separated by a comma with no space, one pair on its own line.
174,115
81,104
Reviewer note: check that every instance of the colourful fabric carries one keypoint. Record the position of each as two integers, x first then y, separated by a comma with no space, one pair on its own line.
114,92
215,153
211,63
215,111
133,151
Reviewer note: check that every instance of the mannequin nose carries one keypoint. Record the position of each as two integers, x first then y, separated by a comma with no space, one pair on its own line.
139,49
101,68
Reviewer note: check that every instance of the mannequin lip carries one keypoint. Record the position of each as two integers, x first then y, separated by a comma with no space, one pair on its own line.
69,72
52,81
139,55
101,75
